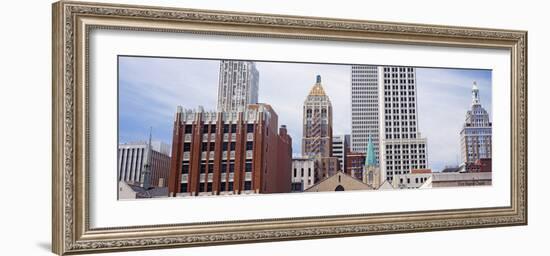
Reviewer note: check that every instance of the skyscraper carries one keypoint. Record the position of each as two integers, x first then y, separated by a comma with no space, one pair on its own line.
238,85
340,148
364,108
401,146
475,137
317,132
317,123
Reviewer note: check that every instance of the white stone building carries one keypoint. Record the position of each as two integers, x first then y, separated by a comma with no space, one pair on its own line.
340,147
303,173
364,108
238,86
475,136
401,146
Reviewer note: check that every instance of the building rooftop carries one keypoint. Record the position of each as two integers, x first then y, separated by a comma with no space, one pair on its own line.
317,89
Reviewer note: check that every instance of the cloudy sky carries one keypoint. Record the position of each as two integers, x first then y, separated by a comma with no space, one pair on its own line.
151,88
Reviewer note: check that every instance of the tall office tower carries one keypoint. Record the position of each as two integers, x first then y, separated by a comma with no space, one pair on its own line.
317,123
238,85
475,137
364,108
401,146
340,148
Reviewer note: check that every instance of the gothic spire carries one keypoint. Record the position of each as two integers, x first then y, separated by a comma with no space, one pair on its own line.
370,159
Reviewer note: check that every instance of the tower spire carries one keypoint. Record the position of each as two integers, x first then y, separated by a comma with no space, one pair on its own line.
475,94
146,178
370,159
317,89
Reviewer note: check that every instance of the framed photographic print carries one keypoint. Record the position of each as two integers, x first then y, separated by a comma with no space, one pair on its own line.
179,127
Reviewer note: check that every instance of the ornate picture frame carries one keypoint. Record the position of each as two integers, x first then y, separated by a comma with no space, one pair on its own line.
72,23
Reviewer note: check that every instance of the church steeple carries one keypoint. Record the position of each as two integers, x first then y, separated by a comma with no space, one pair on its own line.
370,159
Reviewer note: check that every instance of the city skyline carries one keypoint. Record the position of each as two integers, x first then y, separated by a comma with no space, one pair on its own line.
153,87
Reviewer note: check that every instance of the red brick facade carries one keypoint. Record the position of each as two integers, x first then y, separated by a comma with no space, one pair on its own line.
355,161
230,153
480,165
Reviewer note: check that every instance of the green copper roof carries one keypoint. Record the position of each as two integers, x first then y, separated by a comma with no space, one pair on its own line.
370,160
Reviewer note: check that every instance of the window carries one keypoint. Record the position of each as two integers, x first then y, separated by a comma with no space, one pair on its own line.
188,128
225,128
302,172
248,185
203,168
209,187
232,146
249,145
248,167
222,186
231,167
201,187
186,147
230,187
250,128
233,128
185,169
183,187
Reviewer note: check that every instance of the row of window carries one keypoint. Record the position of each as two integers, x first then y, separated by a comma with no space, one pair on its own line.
210,146
227,128
209,168
208,186
389,99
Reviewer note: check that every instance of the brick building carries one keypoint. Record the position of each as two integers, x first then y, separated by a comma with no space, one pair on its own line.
217,153
480,165
355,161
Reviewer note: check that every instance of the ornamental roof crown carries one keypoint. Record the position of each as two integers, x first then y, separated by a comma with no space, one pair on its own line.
317,89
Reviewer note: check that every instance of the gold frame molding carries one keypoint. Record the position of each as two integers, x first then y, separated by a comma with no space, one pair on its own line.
72,22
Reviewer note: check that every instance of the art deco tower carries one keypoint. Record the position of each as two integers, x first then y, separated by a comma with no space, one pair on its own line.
317,123
475,137
238,85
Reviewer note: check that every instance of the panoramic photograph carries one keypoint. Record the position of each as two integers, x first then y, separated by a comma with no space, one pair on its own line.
215,127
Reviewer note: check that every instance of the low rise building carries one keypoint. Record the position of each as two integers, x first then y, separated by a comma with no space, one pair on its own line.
339,182
132,163
455,179
217,153
413,180
355,161
135,191
303,173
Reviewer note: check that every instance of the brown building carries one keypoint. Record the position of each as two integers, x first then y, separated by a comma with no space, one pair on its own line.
217,153
355,161
480,165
